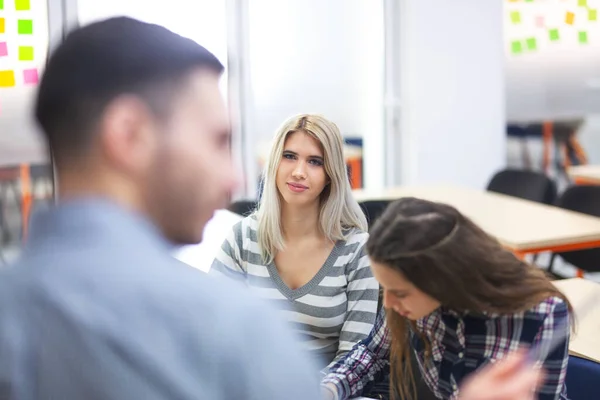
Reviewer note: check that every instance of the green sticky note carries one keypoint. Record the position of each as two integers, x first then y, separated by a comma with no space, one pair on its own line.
554,35
593,14
583,37
516,47
1,4
528,1
22,5
582,3
531,43
515,17
26,53
25,26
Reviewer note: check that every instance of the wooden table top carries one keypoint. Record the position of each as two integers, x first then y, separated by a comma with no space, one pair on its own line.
585,342
589,173
520,225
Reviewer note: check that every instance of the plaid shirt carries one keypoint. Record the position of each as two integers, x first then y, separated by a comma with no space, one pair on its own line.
460,344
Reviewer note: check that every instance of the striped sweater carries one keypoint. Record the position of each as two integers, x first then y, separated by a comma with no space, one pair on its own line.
332,312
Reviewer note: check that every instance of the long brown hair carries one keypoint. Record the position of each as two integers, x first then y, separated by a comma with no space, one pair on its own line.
448,257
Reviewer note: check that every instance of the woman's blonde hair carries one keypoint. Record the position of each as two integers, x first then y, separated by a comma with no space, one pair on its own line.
339,210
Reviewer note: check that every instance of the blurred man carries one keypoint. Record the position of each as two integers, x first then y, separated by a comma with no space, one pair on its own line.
96,308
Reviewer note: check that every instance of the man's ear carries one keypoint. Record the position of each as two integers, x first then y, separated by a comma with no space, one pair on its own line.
127,133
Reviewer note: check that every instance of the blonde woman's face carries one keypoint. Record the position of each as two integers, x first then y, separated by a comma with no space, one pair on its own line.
301,173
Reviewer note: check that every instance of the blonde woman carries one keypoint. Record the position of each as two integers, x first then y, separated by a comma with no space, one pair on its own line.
304,248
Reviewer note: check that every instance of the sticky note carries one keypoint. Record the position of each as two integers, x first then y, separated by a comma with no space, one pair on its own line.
1,25
570,18
1,4
539,21
30,76
593,14
516,47
582,3
528,1
25,26
3,49
583,37
515,17
554,35
26,53
531,43
7,78
22,5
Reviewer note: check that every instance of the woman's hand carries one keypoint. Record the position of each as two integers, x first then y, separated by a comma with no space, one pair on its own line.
508,379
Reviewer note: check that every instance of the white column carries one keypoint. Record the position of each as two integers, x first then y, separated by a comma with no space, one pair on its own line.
452,85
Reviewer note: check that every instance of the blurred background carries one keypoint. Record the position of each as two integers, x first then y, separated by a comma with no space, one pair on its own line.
424,91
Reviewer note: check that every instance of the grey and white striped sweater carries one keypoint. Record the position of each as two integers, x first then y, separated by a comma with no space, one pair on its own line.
332,312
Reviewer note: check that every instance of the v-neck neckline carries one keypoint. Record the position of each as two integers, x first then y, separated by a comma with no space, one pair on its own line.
294,294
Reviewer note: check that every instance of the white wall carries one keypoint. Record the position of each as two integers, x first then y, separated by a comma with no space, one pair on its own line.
316,56
452,92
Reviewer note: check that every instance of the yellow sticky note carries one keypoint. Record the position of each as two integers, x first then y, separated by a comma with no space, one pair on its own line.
570,18
582,3
7,78
1,25
593,14
22,5
515,17
26,53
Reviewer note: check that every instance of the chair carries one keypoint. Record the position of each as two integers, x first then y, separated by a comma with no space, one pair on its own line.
583,378
528,185
243,207
584,199
373,209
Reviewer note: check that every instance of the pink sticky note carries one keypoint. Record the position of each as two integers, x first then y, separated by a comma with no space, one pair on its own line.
3,49
30,76
539,21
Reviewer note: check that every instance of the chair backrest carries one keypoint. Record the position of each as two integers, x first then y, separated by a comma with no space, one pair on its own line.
243,207
528,185
373,209
584,199
583,379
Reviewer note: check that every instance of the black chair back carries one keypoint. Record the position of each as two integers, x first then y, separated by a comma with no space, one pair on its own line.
528,185
243,207
584,199
583,378
373,209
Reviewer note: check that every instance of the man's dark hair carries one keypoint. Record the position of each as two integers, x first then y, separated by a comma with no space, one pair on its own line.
99,62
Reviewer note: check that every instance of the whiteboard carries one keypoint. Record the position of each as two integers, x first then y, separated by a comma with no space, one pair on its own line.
23,53
558,75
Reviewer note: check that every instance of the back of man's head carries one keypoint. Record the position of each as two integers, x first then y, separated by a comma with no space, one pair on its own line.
100,61
138,107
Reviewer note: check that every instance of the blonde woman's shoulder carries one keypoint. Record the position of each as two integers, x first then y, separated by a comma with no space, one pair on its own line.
356,235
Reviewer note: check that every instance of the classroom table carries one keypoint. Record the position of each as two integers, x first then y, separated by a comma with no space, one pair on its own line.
523,226
585,342
585,174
